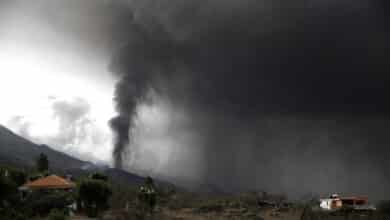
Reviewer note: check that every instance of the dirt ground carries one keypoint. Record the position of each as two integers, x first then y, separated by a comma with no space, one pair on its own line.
230,214
239,214
227,214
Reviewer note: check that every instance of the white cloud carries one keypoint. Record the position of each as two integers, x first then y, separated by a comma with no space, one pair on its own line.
69,126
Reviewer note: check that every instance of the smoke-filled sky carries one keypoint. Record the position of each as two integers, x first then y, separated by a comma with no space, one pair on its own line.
286,96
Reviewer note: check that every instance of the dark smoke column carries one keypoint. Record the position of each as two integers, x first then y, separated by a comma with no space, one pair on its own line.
137,65
121,127
129,92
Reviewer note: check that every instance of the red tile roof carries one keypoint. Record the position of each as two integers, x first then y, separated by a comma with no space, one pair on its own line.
50,182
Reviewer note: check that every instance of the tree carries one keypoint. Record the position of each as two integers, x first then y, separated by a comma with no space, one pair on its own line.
56,214
384,206
7,188
42,202
147,195
42,163
94,195
99,176
149,182
17,176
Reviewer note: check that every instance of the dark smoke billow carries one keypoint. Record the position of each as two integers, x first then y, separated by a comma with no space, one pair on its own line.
136,80
121,126
272,86
280,95
129,93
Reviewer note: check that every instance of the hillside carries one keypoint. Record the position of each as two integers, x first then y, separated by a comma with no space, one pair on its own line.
18,151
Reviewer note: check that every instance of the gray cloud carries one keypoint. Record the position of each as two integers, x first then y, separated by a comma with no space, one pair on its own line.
78,133
301,65
73,121
73,129
21,125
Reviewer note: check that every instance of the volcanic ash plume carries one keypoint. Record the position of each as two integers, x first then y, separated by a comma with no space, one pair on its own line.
120,125
135,81
129,91
295,94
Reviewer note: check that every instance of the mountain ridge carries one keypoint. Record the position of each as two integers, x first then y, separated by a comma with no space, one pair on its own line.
20,152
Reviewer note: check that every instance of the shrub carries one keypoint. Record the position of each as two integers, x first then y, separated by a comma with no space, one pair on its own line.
249,199
7,188
17,176
56,214
99,176
42,163
43,202
35,176
384,206
94,194
11,214
122,196
210,206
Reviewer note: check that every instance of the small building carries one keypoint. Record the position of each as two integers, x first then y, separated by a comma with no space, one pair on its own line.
354,201
52,182
331,203
335,202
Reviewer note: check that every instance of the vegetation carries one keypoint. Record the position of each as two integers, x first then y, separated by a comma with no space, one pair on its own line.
99,176
42,163
16,176
42,203
10,179
384,206
11,214
147,196
57,214
123,196
34,176
93,194
7,188
97,196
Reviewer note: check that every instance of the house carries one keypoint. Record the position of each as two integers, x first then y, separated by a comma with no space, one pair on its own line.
52,182
335,202
331,203
49,184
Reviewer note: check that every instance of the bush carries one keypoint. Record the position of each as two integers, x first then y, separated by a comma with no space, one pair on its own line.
7,189
42,163
384,206
56,214
94,194
248,200
122,197
210,206
10,214
146,199
17,176
36,176
99,176
43,202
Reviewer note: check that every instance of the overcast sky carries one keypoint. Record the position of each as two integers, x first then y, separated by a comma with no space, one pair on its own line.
252,94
